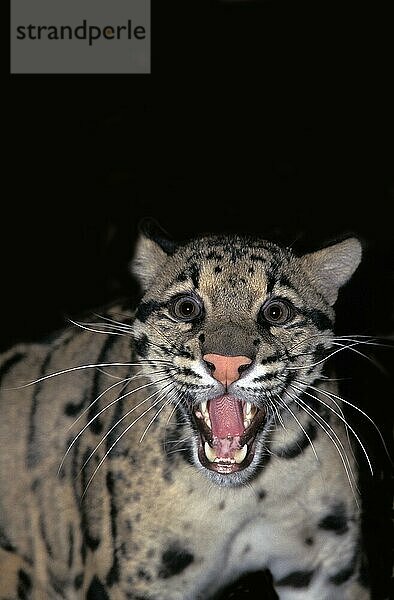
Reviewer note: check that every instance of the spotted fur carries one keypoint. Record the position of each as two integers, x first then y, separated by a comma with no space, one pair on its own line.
137,510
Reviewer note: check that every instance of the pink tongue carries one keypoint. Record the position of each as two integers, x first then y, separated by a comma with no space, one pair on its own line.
226,416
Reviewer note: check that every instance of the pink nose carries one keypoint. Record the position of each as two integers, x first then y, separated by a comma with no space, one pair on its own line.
226,369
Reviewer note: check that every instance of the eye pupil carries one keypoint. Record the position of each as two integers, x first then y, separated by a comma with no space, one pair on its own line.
277,312
186,308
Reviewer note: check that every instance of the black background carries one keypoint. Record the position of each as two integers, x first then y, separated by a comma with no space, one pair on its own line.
272,118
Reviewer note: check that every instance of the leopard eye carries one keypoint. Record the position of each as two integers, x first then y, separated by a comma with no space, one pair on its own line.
186,308
277,312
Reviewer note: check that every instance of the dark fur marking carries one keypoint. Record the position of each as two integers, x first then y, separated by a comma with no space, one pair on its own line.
88,540
271,280
346,573
142,574
218,269
297,579
141,345
5,543
44,536
309,541
257,258
265,377
96,590
194,273
336,521
78,581
145,309
24,585
70,546
32,457
261,494
300,444
96,426
213,254
113,573
221,505
269,360
189,373
181,276
174,560
9,363
318,318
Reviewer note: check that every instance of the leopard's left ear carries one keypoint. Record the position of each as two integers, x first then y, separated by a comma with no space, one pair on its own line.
330,268
152,249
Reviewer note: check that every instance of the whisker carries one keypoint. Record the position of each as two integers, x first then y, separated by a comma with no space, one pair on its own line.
167,402
124,396
331,395
307,409
93,330
118,438
297,389
356,351
284,405
103,410
90,366
308,366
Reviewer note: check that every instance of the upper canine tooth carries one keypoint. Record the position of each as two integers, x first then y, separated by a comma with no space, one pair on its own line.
248,412
209,452
204,408
239,455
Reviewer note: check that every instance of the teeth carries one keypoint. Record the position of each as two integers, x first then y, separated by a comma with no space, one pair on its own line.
209,452
205,414
239,455
248,411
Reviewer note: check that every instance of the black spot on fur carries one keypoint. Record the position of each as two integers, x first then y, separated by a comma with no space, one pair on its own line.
141,345
71,409
221,505
78,581
261,494
297,579
336,521
182,276
96,590
24,585
145,309
257,258
309,541
218,269
213,254
174,560
142,574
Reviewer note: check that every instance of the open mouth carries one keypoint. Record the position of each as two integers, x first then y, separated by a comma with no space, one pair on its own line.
228,429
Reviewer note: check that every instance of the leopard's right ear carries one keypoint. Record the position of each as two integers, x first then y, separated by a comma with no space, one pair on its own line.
152,249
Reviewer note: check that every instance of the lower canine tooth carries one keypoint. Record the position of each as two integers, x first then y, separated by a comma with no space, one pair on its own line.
239,455
209,452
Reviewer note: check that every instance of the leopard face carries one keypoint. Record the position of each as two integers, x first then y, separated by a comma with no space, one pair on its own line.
236,329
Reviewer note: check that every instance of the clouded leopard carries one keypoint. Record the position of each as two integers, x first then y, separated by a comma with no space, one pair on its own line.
162,453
